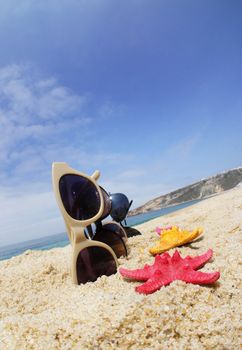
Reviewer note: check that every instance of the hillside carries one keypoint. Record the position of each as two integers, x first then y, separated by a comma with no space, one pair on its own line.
201,189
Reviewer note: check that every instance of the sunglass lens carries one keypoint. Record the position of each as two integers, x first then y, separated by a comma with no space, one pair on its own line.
113,240
120,206
80,196
93,262
117,228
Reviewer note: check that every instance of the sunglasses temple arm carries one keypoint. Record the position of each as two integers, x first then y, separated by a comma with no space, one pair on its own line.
90,232
130,203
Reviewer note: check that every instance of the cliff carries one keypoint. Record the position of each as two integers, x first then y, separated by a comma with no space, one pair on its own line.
201,189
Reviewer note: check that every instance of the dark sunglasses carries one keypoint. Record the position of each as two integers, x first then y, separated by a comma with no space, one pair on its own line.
82,200
120,206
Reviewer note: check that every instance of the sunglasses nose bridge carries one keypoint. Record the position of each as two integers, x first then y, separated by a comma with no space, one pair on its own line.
77,235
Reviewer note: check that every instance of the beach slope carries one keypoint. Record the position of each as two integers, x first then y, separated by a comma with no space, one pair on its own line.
41,309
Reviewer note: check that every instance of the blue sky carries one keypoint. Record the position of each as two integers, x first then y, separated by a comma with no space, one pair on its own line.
149,92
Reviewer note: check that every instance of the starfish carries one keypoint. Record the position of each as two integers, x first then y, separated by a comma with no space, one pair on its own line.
173,236
167,269
159,230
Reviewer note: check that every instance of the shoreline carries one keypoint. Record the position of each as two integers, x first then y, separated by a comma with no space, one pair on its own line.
50,242
41,309
174,205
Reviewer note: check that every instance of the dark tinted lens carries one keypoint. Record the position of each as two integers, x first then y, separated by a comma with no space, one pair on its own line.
120,206
80,197
117,228
130,231
113,240
93,262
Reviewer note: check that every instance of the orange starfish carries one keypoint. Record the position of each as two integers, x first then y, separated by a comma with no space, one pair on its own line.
172,237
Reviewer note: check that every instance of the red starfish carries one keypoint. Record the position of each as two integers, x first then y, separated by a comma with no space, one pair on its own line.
168,268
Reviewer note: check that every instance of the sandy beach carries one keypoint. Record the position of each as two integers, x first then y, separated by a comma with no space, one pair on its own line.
41,309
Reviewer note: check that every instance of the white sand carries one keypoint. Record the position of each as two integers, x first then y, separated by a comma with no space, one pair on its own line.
41,309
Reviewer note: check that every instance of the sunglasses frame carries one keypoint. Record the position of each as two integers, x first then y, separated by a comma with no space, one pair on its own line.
75,228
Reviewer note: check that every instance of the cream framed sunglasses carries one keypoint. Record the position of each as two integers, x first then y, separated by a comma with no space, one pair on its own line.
82,203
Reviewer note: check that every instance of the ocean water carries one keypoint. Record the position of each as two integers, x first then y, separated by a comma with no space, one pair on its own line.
61,239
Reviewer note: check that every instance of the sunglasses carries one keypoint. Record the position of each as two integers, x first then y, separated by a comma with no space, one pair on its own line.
120,206
83,203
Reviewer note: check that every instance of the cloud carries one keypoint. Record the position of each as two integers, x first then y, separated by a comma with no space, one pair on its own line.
38,117
28,100
185,147
41,122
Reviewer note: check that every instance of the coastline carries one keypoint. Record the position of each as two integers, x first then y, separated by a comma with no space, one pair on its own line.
176,204
41,309
61,239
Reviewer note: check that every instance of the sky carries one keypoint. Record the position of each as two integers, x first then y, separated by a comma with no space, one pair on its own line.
148,92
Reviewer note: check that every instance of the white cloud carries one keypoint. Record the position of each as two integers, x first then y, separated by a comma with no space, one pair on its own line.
41,122
184,147
36,117
27,100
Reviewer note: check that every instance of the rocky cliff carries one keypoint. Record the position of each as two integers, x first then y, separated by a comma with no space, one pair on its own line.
201,189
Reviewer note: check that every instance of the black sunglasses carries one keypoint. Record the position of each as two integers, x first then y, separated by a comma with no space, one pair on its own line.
120,206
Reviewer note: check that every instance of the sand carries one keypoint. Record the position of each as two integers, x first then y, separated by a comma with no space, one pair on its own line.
41,309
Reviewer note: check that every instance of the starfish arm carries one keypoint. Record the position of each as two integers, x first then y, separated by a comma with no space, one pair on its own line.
158,230
190,236
198,277
138,274
176,257
160,248
152,285
199,261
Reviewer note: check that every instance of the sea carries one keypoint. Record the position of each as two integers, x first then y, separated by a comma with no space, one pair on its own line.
61,239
